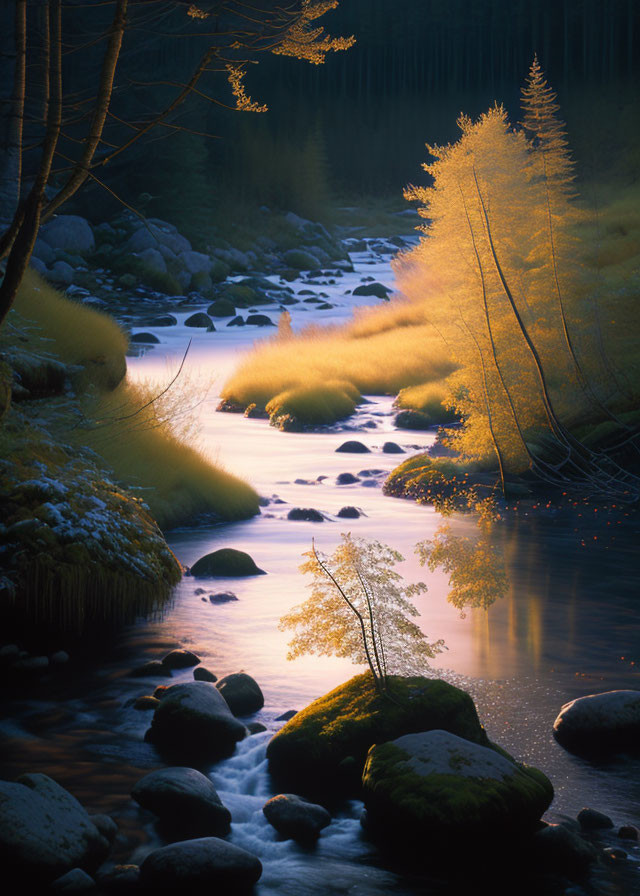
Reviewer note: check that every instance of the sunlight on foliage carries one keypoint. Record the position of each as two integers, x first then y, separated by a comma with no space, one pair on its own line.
359,609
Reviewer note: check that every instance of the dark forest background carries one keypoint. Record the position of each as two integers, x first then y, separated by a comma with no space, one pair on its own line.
355,128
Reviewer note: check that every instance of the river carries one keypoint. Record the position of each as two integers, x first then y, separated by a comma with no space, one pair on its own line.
567,626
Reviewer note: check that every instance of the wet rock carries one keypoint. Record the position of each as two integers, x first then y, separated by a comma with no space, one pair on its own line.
289,714
200,320
221,308
144,338
614,854
153,261
74,881
241,692
353,447
149,670
203,674
600,723
237,321
592,820
349,513
201,863
256,727
392,448
307,514
185,801
259,320
346,479
61,274
557,848
146,702
367,473
629,832
324,746
413,420
194,720
180,659
372,289
161,691
296,818
227,562
44,831
441,787
222,597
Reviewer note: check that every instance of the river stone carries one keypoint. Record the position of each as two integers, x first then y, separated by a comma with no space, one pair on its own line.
200,320
180,659
44,831
392,448
201,863
204,674
372,289
439,787
346,479
592,820
146,702
242,693
238,321
70,233
144,338
194,262
349,513
325,745
600,723
296,818
149,670
222,597
61,274
120,879
227,562
153,260
353,447
301,260
307,514
74,881
106,826
163,320
194,720
185,801
557,848
259,320
221,308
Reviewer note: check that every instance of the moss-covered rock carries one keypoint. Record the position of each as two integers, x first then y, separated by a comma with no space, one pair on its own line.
436,787
226,562
428,479
326,744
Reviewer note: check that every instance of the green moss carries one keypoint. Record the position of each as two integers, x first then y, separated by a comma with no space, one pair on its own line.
429,479
326,744
406,804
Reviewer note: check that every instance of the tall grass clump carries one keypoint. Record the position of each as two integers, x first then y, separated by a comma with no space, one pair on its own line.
144,442
381,351
315,404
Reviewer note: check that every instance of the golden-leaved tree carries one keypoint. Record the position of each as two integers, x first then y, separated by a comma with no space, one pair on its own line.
496,271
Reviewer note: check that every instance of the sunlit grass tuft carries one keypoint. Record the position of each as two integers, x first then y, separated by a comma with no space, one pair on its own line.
429,399
315,404
379,352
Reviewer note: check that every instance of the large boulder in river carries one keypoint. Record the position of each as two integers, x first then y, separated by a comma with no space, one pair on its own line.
226,562
301,260
185,802
44,831
296,818
600,723
437,788
70,233
198,865
242,693
372,289
193,721
325,745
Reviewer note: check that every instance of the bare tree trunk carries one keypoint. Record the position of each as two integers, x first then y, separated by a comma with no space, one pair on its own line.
27,230
11,173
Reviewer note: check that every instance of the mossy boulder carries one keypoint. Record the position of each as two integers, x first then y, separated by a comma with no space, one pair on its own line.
221,308
226,562
242,296
326,744
436,787
300,260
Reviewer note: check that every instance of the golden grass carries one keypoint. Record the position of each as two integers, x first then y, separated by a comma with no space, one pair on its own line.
144,451
379,352
319,403
73,332
429,398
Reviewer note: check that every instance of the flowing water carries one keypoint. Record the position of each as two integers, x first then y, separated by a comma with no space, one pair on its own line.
566,626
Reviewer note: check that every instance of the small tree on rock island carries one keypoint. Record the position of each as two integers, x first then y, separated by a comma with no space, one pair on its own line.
359,609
